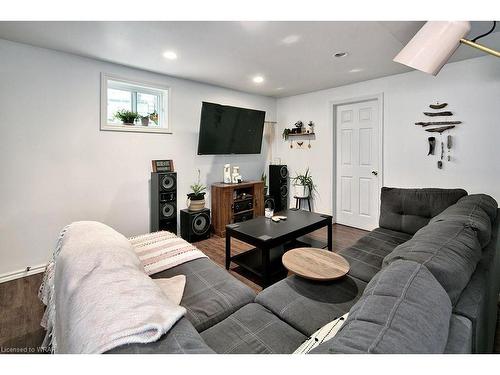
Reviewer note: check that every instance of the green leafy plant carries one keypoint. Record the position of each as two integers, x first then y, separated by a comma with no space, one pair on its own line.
264,178
127,117
305,180
198,190
286,133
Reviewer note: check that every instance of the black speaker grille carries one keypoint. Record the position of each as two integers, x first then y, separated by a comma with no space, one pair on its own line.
168,210
167,182
200,224
284,172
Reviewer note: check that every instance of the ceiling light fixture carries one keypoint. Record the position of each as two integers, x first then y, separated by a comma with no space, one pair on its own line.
435,42
356,70
290,39
340,54
258,79
171,55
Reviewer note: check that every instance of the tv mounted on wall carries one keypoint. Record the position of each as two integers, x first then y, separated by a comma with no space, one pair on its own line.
228,130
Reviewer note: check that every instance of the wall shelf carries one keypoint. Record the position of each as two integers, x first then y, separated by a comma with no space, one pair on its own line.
300,134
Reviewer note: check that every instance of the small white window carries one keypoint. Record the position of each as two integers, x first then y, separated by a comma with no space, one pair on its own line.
133,106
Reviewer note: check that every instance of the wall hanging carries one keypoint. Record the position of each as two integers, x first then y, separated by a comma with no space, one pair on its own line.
439,126
302,133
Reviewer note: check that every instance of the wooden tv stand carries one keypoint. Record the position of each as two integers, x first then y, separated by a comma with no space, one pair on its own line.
232,203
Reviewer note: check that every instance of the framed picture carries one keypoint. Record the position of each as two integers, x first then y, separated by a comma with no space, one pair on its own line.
163,165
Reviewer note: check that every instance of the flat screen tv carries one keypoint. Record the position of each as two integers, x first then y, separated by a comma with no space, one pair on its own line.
230,130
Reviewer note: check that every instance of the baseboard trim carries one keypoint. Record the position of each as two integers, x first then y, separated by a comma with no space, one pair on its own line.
9,276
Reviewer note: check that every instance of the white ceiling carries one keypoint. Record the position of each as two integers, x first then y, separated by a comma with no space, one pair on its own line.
229,54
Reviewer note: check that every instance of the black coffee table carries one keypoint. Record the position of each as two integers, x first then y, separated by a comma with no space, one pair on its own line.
268,237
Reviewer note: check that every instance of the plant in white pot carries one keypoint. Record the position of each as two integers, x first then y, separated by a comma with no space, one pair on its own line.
303,185
196,199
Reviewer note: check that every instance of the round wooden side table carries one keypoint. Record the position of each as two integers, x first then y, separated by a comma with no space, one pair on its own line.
315,264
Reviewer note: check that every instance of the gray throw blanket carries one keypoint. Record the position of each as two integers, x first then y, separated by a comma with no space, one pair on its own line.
98,296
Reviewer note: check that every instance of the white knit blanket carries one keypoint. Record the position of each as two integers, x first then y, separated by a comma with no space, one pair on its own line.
98,296
162,250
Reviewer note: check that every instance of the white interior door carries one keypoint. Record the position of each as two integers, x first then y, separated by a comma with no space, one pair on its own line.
357,167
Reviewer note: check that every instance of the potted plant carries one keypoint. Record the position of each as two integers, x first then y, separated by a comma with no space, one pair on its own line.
154,117
310,127
303,185
264,180
127,117
144,120
285,134
196,199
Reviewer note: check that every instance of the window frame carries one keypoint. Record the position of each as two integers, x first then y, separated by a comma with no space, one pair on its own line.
153,87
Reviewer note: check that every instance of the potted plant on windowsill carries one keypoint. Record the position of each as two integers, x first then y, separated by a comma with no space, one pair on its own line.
154,117
196,199
303,185
127,117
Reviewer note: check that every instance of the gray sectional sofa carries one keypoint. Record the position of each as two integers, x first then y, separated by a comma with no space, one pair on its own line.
426,281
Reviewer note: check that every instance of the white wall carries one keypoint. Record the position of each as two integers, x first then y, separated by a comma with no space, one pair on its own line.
472,89
57,167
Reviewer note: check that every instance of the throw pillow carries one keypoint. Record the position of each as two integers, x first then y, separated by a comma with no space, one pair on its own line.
172,287
325,333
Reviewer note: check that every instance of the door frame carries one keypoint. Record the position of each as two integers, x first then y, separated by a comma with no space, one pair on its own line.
333,104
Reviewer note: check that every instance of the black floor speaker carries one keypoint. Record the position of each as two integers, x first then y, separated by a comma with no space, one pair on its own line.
195,225
163,202
278,186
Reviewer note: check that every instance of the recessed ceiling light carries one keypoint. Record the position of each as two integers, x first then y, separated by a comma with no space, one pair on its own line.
340,54
356,70
279,88
290,39
171,55
258,79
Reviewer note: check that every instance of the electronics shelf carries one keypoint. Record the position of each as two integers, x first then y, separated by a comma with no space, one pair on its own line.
235,203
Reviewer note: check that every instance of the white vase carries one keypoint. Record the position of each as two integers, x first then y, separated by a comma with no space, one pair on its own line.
301,191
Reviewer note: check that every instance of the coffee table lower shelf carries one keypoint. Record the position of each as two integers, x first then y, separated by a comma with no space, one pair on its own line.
251,261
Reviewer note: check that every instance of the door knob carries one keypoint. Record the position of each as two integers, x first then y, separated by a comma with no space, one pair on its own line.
375,173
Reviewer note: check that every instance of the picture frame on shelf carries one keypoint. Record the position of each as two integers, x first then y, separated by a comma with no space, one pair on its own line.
162,165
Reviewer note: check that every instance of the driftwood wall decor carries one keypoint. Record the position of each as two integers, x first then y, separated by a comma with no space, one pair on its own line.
434,114
435,123
439,127
438,106
440,130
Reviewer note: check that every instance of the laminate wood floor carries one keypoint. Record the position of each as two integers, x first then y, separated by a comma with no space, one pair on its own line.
21,311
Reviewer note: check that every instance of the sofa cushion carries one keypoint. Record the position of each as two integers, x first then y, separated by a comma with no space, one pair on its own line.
211,293
468,214
487,204
365,256
408,210
459,336
403,310
449,249
308,305
252,330
478,301
181,339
